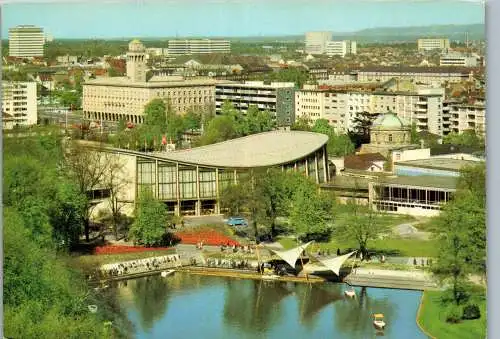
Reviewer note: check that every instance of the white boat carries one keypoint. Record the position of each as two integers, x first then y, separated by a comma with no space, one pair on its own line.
378,321
92,308
350,293
167,273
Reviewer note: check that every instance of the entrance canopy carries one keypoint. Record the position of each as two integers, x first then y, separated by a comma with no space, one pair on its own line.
291,256
334,264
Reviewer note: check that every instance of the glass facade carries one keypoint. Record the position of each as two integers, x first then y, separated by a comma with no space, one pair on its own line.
197,188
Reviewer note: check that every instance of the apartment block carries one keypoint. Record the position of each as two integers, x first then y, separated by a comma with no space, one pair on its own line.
433,44
26,41
341,48
424,107
316,42
469,116
19,103
276,97
203,46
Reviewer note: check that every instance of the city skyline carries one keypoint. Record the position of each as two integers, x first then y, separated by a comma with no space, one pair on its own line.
77,19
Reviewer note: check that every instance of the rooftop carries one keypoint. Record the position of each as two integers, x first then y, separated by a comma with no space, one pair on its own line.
126,82
257,150
389,120
438,163
422,181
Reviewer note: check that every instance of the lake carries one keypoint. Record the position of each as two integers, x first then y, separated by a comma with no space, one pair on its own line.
194,306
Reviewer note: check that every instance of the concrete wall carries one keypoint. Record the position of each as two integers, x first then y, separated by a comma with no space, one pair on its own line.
411,154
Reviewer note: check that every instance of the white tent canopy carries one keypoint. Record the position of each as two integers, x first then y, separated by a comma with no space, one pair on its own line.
334,264
291,256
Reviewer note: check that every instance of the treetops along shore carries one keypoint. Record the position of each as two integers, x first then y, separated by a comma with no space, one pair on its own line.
44,216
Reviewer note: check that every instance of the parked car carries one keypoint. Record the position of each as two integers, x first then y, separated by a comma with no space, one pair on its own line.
237,221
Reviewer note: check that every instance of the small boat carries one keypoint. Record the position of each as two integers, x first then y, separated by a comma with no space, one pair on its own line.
167,273
378,321
350,293
270,277
92,308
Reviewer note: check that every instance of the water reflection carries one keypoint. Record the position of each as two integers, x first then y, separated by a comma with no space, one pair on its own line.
254,305
241,309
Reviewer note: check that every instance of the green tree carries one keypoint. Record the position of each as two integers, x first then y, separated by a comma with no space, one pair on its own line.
415,139
338,145
155,114
466,138
301,124
360,223
151,220
310,214
192,120
220,128
461,231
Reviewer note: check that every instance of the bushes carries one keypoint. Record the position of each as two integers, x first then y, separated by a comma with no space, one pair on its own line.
471,311
453,314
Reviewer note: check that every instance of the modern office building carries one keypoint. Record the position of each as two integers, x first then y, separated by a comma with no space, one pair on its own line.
433,44
191,181
26,41
316,42
19,102
116,98
341,48
276,97
458,60
201,46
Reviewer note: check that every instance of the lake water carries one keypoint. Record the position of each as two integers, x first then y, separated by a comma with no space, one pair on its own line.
194,306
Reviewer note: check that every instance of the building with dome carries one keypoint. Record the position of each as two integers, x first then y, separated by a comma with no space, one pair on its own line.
388,132
124,98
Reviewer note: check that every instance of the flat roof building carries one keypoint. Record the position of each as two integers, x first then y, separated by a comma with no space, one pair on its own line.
19,102
276,97
316,42
434,166
26,41
341,48
199,46
429,44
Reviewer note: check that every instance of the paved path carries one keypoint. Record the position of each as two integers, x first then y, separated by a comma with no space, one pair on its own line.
407,230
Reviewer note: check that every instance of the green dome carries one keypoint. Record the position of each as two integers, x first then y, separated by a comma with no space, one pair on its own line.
389,120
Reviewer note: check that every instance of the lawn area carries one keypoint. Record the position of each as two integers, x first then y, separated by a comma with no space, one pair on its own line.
432,319
394,246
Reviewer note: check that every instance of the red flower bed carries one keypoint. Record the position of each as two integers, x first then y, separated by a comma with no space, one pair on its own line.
118,249
209,237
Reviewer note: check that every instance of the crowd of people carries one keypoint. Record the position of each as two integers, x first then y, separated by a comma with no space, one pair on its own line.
140,266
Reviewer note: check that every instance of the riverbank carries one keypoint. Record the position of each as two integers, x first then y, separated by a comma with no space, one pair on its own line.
432,318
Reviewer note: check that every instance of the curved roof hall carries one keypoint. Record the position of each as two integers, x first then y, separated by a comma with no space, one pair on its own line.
256,150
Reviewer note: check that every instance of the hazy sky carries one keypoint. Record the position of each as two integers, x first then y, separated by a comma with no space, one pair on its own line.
101,19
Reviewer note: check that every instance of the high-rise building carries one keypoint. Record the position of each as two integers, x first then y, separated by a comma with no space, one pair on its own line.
203,46
432,44
19,102
341,48
277,98
459,60
316,42
26,41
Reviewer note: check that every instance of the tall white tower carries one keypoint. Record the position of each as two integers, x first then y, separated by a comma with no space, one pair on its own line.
136,61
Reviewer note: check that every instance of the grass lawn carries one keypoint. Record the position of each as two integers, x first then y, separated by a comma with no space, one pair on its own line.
432,319
97,260
395,247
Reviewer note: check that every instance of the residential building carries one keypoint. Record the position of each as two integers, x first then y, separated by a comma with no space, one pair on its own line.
459,60
423,107
433,44
26,41
116,98
276,97
468,116
19,102
316,42
342,48
203,46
